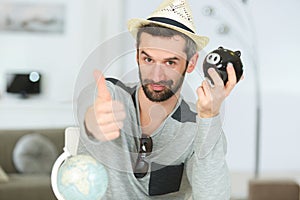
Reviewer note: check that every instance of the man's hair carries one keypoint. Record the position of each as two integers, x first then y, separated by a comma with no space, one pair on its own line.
158,30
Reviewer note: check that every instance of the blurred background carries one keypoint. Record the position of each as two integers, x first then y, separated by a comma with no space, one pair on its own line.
50,40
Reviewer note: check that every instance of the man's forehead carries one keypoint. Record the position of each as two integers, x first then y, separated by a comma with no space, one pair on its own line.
174,45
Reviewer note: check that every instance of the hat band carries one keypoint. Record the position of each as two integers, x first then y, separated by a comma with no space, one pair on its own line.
170,22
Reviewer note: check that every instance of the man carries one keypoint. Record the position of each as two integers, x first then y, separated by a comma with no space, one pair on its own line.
152,143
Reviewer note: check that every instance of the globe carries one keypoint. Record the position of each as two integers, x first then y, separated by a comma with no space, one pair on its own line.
81,177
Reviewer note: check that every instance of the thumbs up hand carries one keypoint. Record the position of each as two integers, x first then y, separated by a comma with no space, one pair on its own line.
105,118
103,93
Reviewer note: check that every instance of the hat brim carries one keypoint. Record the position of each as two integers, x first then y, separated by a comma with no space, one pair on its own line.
134,24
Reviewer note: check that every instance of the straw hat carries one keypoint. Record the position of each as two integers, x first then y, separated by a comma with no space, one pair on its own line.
174,14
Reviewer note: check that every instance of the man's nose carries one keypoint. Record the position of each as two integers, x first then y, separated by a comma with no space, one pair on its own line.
158,72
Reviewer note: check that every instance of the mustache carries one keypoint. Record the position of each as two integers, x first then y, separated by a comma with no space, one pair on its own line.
165,83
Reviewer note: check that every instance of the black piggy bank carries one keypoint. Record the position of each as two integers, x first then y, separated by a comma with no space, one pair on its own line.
219,58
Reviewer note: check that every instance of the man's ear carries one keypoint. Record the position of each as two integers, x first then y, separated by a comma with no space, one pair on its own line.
192,63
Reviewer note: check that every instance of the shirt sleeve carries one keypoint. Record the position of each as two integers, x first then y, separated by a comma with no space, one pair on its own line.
207,170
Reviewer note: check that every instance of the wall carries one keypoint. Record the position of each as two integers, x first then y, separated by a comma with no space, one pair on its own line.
278,38
58,57
54,55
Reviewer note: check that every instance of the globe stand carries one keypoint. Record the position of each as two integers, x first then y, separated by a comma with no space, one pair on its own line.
54,173
70,149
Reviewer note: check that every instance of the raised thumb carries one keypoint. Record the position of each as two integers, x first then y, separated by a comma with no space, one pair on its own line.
103,92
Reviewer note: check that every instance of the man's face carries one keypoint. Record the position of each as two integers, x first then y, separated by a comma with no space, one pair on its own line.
162,65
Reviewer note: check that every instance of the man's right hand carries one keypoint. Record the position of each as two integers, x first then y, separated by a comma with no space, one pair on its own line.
105,118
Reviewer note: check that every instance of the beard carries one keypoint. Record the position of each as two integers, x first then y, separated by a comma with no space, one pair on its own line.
169,90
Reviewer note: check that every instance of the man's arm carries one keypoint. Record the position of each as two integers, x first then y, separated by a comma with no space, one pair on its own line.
207,169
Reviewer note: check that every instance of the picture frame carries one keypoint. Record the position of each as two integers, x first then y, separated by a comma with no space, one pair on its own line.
32,17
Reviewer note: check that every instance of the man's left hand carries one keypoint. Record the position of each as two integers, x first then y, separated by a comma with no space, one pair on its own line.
210,97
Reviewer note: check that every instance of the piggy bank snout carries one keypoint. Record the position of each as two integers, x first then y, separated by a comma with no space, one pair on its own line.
213,58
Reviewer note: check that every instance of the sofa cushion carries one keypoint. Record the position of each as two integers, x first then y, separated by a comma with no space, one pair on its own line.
3,176
27,186
34,153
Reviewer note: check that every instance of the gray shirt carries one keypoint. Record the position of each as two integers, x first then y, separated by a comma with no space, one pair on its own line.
187,159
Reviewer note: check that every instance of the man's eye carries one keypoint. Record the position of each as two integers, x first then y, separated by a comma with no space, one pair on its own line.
148,60
170,62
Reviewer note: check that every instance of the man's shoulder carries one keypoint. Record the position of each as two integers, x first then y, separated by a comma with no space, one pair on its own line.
185,112
128,87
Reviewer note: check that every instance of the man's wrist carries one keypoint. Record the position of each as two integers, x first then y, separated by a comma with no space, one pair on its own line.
207,115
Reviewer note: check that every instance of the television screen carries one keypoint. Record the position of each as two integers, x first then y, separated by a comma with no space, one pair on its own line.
24,84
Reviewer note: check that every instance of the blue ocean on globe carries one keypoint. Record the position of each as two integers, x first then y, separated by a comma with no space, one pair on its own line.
81,177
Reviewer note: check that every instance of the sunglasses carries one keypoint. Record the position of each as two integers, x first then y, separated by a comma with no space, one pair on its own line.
141,167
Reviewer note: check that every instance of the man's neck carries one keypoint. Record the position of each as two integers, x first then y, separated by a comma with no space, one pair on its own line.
152,114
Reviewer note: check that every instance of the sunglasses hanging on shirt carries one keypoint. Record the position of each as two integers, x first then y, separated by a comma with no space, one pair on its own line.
142,166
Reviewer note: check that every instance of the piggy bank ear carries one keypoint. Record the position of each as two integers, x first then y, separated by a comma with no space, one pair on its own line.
238,53
220,48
